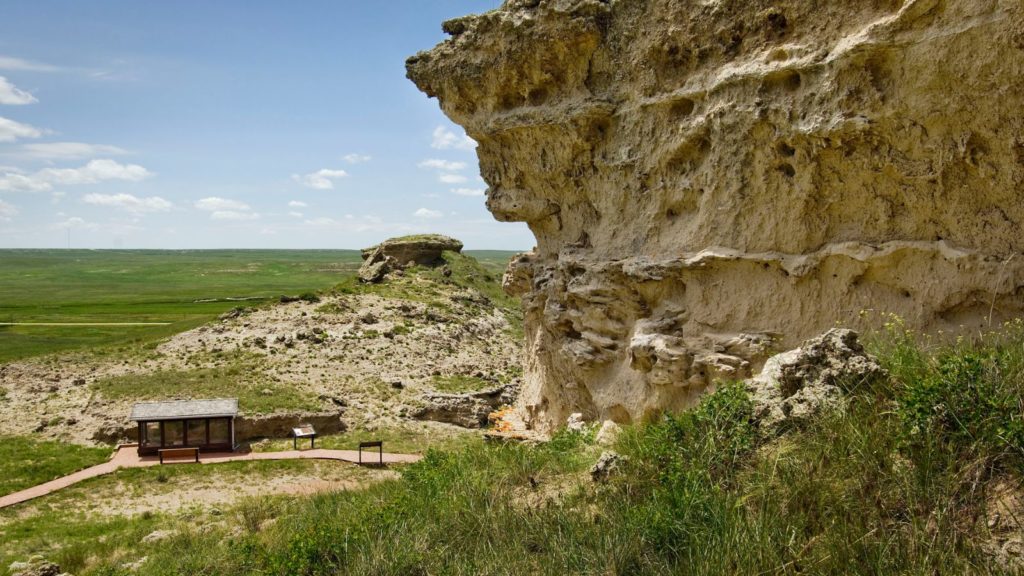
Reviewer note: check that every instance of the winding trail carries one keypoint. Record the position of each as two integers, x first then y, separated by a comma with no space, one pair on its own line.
127,456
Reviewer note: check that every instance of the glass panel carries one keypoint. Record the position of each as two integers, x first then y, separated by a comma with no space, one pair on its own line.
151,434
220,432
196,432
174,433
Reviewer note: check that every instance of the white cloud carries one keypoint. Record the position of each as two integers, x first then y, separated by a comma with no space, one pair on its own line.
443,165
97,170
322,221
295,214
12,95
7,211
11,130
297,204
356,158
93,172
427,213
233,215
445,139
15,182
76,223
321,179
68,150
129,203
215,204
226,209
11,63
353,223
468,191
452,178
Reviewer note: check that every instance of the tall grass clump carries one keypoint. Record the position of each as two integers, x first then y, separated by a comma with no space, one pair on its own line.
967,399
897,481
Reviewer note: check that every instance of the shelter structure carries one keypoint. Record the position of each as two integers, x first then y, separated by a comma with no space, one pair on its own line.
207,425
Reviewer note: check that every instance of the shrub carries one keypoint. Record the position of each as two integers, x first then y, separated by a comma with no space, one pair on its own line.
969,400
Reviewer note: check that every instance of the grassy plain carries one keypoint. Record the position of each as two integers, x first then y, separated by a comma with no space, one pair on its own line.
183,288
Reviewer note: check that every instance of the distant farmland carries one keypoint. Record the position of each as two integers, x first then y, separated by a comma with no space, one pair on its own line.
171,290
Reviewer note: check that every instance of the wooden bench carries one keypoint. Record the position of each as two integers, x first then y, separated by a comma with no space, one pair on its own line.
178,453
378,444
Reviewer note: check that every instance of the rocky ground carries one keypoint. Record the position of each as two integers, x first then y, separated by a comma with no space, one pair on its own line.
376,357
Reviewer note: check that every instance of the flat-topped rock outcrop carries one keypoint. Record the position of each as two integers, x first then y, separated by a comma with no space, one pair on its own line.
712,180
397,253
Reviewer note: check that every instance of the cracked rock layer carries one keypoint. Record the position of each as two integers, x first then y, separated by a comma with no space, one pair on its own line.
711,180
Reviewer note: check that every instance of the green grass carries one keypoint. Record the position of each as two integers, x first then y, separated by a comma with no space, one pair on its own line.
407,439
426,285
239,378
83,539
68,527
184,287
459,383
898,482
26,462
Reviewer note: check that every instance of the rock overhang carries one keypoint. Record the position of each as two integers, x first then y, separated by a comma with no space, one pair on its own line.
708,181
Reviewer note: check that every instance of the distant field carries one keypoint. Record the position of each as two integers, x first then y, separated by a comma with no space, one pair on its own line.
184,288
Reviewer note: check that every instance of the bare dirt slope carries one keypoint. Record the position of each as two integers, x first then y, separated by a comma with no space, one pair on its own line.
367,353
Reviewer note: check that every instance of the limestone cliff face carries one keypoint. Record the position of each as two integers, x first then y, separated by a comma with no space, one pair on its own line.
713,180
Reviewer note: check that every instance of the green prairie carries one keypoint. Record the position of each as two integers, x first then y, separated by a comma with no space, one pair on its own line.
179,288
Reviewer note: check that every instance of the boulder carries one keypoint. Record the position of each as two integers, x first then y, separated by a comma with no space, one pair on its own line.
810,379
575,422
398,253
607,465
36,566
608,433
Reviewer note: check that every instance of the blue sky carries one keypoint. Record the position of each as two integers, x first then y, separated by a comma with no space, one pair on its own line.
230,124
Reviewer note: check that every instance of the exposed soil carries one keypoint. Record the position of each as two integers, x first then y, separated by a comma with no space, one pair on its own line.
371,356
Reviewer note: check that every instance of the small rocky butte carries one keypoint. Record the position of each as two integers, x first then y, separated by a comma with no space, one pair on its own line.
713,180
403,252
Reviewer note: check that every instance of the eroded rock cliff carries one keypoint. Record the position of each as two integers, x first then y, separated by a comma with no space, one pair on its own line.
712,180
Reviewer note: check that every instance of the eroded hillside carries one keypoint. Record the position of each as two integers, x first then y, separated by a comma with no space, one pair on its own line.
712,180
358,356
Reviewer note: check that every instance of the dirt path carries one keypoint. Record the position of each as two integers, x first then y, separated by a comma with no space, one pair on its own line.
127,457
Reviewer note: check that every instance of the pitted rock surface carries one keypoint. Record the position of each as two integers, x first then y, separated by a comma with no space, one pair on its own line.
799,383
708,180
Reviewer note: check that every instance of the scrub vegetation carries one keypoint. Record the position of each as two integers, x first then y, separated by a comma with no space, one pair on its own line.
908,478
239,379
